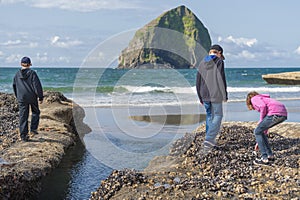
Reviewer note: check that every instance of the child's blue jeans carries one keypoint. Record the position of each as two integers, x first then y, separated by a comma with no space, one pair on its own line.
261,137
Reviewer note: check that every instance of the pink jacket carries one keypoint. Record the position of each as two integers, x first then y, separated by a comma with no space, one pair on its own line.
267,106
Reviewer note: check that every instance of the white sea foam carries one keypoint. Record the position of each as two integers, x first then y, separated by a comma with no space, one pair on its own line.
147,89
173,96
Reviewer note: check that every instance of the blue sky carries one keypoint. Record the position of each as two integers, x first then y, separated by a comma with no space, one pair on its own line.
63,32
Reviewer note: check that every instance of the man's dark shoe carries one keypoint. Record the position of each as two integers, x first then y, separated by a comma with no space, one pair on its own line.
271,158
34,132
25,138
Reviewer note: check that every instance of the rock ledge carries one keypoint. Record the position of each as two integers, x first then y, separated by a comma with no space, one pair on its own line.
287,78
23,164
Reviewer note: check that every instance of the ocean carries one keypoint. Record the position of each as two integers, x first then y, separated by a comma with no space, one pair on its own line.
106,87
134,116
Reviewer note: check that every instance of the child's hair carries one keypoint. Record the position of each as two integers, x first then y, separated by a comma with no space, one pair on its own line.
248,99
25,65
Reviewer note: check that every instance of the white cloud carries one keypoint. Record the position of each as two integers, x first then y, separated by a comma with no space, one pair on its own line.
239,41
1,53
56,41
33,44
41,58
78,5
243,51
278,54
64,59
19,44
297,51
14,58
11,42
246,55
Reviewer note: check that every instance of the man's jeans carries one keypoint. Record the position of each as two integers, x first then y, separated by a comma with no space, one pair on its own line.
24,113
261,137
214,115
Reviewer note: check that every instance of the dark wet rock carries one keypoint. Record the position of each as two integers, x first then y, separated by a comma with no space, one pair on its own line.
227,172
52,96
9,117
116,180
23,164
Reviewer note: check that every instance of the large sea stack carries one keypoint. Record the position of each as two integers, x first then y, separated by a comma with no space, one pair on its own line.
176,39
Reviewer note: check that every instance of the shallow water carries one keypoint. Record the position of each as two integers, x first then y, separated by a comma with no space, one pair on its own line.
109,147
77,175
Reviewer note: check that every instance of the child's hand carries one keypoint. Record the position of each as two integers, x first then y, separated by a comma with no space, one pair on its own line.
256,147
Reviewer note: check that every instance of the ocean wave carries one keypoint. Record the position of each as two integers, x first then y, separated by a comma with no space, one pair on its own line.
174,90
100,89
192,89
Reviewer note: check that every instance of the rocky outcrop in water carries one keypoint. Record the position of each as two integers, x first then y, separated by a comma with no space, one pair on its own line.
287,78
176,39
23,164
227,172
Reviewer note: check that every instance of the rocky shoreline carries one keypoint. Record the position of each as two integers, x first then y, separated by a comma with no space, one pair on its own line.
23,164
227,172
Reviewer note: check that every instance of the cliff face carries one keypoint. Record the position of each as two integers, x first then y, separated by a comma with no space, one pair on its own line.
176,39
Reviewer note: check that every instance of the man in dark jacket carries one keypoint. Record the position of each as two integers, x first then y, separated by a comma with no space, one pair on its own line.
212,91
28,90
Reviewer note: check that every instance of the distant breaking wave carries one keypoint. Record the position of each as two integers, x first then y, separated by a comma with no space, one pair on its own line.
152,89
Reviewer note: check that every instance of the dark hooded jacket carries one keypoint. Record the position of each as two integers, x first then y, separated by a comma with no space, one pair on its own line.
27,86
211,82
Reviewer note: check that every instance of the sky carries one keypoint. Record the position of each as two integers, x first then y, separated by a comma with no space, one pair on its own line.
56,33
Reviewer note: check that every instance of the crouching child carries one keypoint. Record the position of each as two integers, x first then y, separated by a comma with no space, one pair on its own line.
272,112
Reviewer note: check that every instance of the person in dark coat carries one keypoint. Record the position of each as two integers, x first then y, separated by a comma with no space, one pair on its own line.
28,91
212,91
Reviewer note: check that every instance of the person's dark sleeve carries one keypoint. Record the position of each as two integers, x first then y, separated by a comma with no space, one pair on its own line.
37,86
15,87
198,81
222,71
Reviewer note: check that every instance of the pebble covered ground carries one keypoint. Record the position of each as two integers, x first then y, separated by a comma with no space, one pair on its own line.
227,172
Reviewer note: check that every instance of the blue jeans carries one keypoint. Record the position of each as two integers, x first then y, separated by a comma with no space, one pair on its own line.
261,137
214,115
